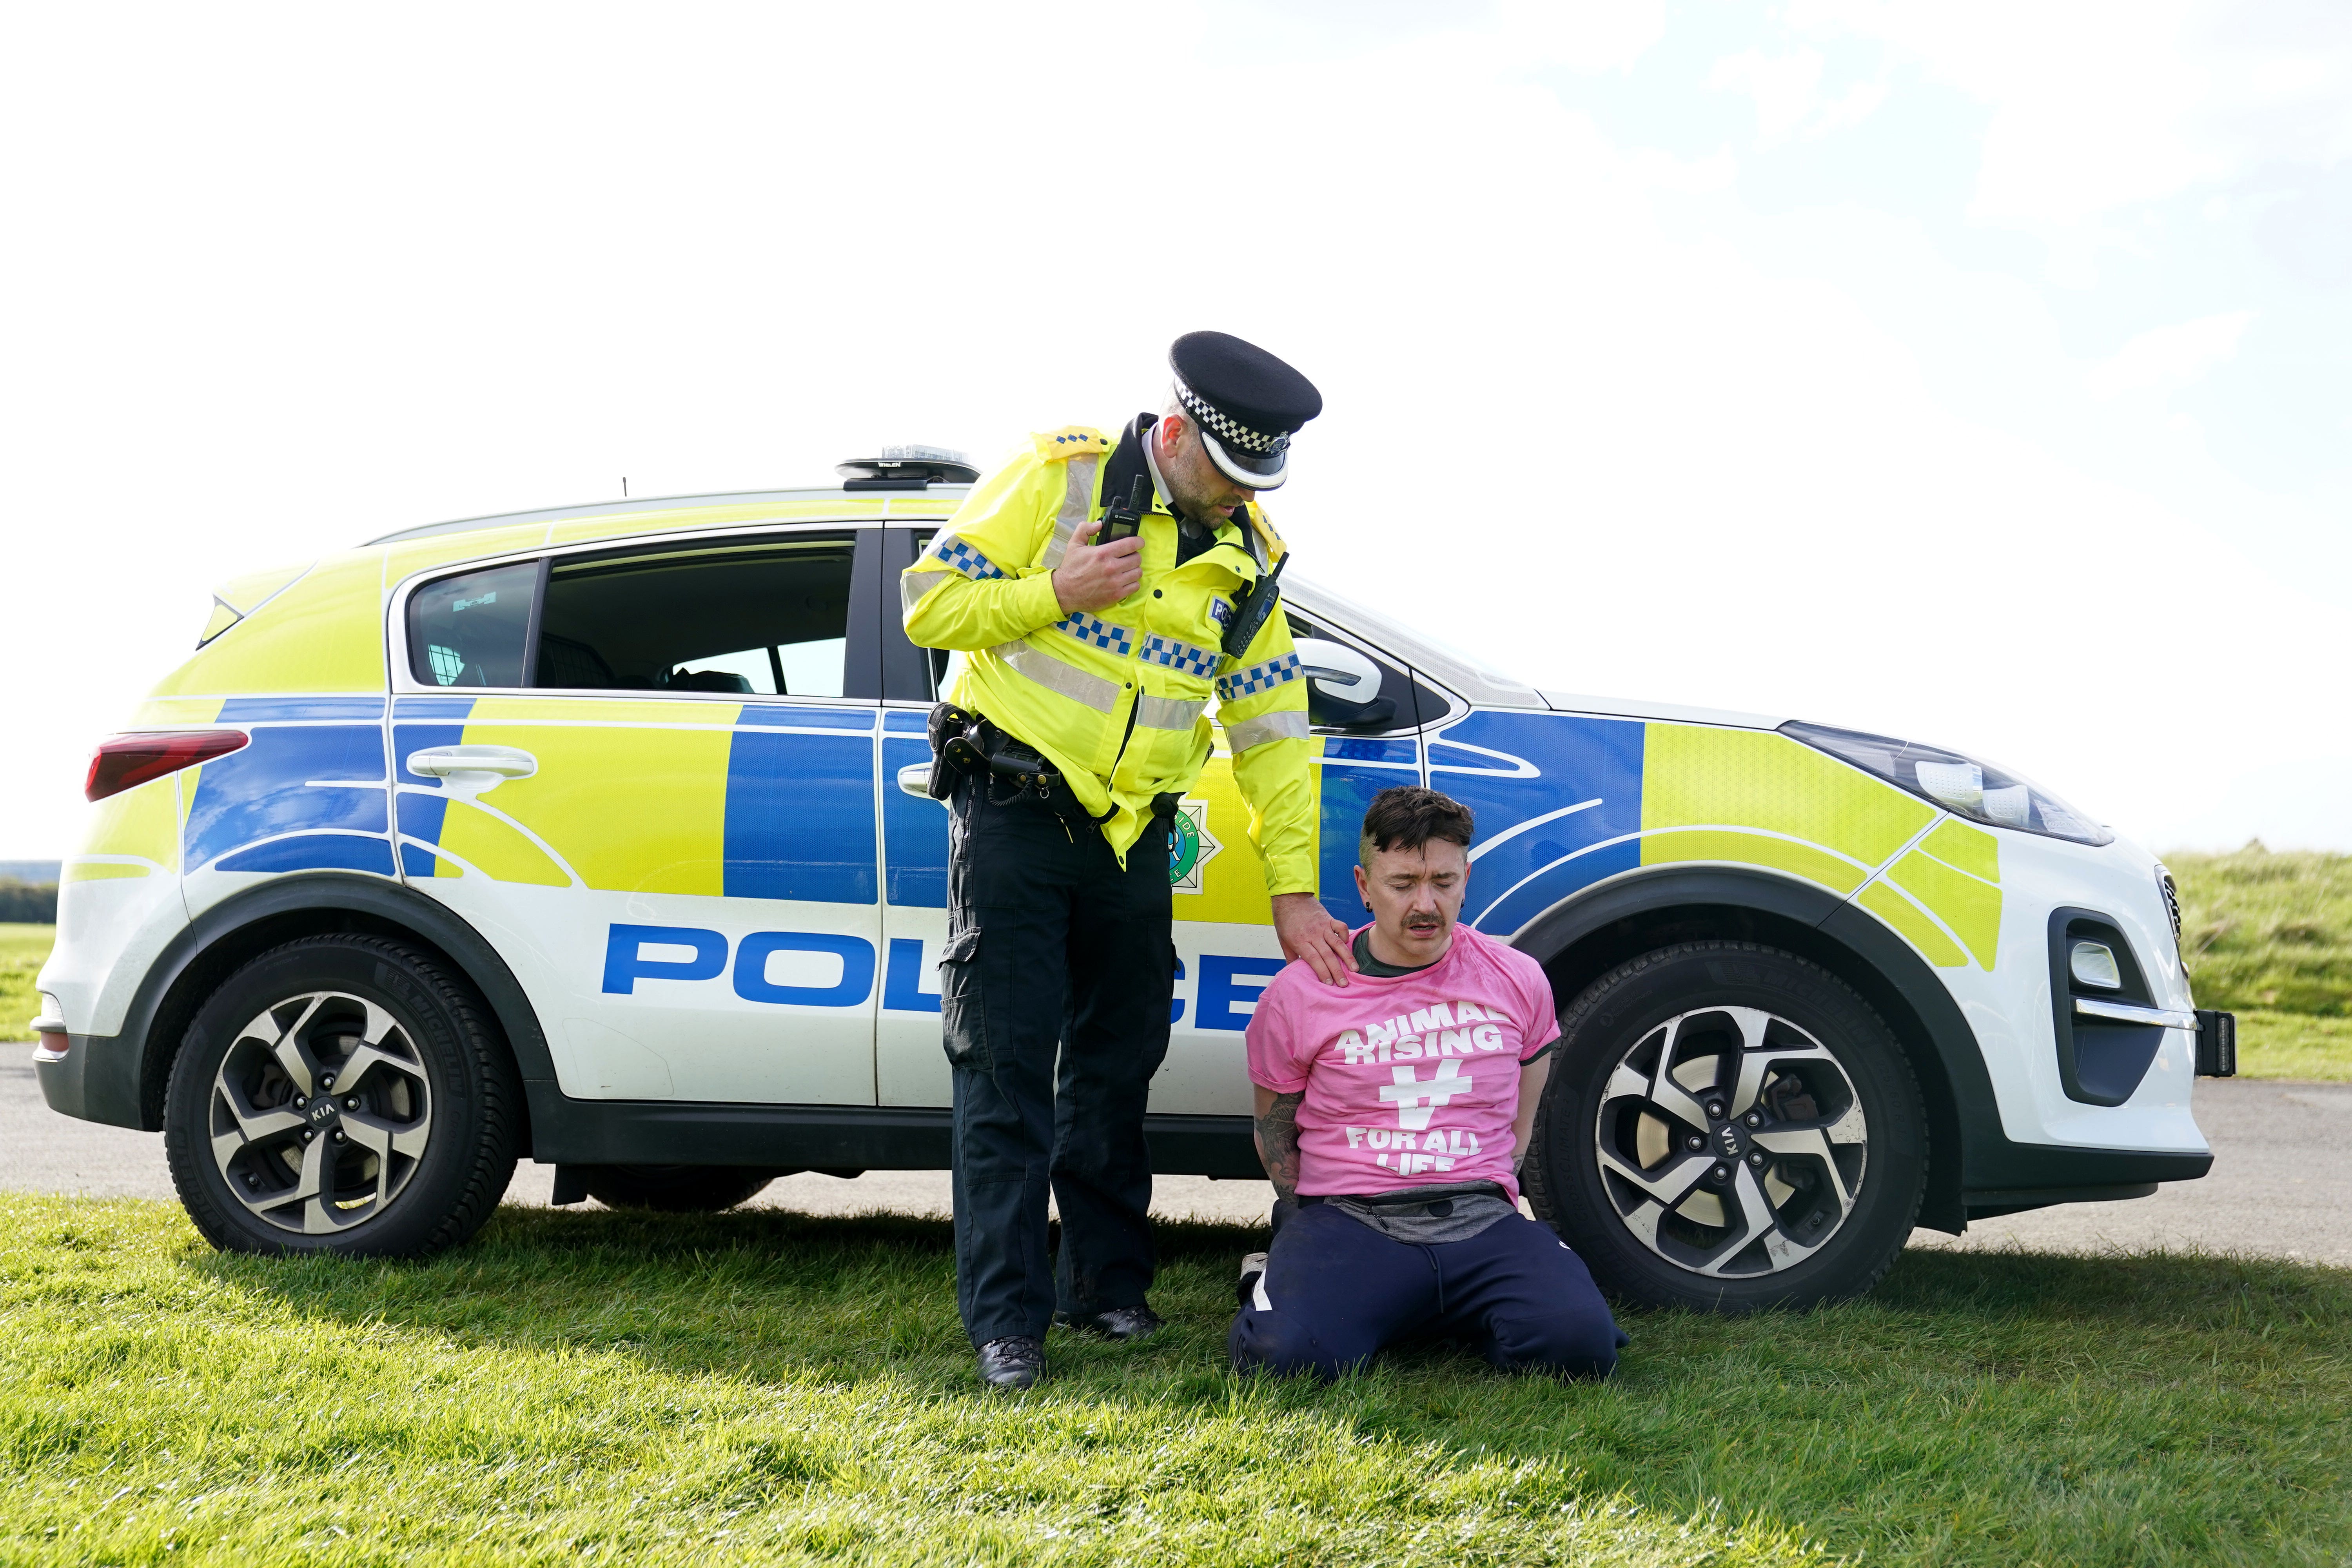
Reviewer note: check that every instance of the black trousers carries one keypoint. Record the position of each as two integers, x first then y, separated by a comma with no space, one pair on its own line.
1054,991
1335,1290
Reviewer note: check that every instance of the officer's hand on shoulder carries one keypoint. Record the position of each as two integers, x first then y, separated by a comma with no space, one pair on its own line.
1097,576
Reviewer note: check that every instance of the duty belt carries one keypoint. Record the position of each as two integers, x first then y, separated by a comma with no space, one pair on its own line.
969,745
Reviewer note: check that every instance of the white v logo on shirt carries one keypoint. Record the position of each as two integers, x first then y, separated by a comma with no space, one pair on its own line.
1417,1101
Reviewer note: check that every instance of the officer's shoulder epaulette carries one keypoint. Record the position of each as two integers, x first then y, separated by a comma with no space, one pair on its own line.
1275,548
1069,441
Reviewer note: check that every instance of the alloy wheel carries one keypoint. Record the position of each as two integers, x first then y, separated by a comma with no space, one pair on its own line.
1731,1142
319,1112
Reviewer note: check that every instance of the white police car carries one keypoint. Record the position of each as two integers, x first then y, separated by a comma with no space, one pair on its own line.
597,836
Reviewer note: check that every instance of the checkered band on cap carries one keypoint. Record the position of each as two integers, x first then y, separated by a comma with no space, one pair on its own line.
1095,633
1225,428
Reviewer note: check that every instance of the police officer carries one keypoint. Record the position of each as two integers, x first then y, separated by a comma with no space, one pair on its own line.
1079,717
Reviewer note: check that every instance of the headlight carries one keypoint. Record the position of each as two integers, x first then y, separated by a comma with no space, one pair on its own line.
1961,785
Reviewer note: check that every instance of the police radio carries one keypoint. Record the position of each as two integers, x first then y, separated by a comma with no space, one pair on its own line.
1252,605
1124,519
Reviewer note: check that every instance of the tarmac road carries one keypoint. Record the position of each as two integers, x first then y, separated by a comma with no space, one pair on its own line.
2281,1187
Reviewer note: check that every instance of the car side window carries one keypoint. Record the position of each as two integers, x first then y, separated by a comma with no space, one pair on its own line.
473,630
770,619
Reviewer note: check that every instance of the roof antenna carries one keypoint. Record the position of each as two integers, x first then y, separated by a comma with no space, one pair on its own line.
625,487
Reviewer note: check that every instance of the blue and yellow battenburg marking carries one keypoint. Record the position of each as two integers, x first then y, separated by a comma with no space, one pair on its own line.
308,793
755,800
778,800
1565,801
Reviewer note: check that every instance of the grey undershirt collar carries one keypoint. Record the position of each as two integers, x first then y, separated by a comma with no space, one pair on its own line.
1366,965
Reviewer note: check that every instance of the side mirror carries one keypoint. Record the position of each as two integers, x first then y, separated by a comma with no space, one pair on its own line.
1343,688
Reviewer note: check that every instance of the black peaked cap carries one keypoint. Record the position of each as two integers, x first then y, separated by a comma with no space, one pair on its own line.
1248,403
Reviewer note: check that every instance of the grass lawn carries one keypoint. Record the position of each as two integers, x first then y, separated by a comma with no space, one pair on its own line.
2295,1045
769,1387
2265,931
23,949
2269,936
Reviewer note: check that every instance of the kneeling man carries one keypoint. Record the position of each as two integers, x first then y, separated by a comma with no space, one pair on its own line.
1393,1110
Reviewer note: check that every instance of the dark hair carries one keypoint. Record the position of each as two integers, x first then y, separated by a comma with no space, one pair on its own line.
1408,817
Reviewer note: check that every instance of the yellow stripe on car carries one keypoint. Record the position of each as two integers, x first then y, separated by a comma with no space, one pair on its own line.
322,634
1702,787
669,784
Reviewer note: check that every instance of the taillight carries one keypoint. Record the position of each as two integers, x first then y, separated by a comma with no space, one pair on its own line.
130,760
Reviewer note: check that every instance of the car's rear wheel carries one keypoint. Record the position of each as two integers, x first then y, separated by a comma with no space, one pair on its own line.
676,1189
343,1094
1728,1127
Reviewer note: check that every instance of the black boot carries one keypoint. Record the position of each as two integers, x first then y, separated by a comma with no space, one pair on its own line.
1123,1323
1016,1360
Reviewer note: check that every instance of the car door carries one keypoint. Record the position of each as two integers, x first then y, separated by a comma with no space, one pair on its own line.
1226,949
658,804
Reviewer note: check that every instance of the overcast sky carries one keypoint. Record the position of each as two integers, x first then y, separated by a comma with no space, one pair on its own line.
1978,374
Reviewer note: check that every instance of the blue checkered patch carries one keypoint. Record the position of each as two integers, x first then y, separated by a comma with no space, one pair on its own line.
965,559
1098,633
1257,678
1180,656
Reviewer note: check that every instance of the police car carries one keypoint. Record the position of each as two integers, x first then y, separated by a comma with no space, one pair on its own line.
598,837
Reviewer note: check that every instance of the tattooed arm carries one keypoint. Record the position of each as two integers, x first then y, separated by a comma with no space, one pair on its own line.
1276,1127
1533,1076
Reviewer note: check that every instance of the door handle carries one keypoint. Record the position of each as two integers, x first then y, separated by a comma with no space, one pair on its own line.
454,761
915,778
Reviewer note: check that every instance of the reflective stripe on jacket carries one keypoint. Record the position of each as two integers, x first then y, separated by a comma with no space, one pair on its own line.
1118,698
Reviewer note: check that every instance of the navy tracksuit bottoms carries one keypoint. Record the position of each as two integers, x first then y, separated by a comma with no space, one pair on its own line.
1335,1291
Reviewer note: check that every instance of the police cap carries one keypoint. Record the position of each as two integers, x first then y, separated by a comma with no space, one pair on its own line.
1247,403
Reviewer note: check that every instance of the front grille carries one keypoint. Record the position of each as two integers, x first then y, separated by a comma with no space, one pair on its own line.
2164,885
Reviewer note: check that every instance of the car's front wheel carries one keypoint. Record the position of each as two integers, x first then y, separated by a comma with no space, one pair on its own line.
1728,1127
343,1094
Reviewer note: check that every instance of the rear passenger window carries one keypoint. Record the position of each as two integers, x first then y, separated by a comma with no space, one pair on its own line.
771,620
472,630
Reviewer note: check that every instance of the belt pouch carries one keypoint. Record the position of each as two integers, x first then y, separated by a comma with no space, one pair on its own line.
949,760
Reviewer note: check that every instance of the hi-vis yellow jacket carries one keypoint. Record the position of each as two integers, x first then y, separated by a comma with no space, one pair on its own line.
1118,698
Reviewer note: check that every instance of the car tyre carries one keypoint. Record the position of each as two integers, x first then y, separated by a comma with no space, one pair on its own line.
343,1094
676,1189
1728,1127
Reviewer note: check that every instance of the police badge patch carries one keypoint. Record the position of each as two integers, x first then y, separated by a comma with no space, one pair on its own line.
1191,846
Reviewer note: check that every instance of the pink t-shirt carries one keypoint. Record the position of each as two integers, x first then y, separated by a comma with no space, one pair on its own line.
1411,1080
